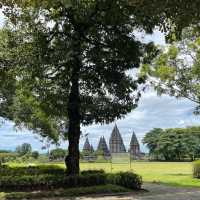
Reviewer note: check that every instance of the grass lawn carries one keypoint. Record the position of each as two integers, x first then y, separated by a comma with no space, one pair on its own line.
171,173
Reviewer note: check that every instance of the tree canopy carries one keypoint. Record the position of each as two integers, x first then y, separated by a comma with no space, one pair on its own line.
175,71
70,64
68,61
175,144
24,149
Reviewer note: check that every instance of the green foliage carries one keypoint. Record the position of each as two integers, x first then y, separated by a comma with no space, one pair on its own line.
196,169
86,172
109,54
46,177
57,154
52,176
49,181
175,70
7,157
24,149
65,62
35,154
70,63
126,179
31,170
173,144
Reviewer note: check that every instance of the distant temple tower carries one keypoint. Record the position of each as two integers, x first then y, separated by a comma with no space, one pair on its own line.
91,149
86,146
88,151
102,147
134,147
116,143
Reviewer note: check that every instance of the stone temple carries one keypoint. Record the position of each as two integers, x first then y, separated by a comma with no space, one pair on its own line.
134,147
116,145
102,147
116,142
86,146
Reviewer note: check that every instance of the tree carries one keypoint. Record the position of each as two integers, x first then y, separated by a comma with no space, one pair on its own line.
173,144
7,83
71,60
71,64
57,154
24,149
151,138
35,154
175,71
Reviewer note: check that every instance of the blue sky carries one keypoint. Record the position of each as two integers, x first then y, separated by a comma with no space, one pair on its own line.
152,112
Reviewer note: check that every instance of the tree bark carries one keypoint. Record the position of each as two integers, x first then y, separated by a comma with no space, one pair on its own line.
72,159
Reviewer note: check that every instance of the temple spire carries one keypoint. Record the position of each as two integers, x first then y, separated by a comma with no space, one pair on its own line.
102,147
134,147
86,146
116,142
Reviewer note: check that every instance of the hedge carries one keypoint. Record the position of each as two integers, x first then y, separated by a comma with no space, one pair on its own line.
126,179
31,170
47,181
46,177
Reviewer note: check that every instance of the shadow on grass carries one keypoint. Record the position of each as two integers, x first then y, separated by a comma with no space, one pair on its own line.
179,174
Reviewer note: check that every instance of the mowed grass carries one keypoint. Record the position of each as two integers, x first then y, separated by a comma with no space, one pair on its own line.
171,173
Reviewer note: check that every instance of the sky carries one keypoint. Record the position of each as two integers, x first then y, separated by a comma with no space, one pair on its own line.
152,112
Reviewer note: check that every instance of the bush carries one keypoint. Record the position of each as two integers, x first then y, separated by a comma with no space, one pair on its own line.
47,181
46,177
126,179
7,157
86,172
196,169
31,170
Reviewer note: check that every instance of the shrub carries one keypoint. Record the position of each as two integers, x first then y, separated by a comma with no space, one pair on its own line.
31,170
196,169
48,181
86,172
52,177
126,179
6,157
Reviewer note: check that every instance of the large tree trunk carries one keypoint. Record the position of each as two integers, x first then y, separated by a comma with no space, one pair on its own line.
72,159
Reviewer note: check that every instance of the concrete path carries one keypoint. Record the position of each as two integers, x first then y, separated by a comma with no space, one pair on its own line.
155,192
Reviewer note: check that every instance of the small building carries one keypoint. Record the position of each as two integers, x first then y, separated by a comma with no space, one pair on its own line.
135,152
116,142
103,148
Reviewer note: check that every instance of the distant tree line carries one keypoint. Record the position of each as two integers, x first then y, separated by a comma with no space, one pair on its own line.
175,144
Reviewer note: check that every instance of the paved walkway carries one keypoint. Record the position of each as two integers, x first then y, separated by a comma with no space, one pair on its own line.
155,192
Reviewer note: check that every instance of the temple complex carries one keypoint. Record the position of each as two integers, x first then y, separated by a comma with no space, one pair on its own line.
116,145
